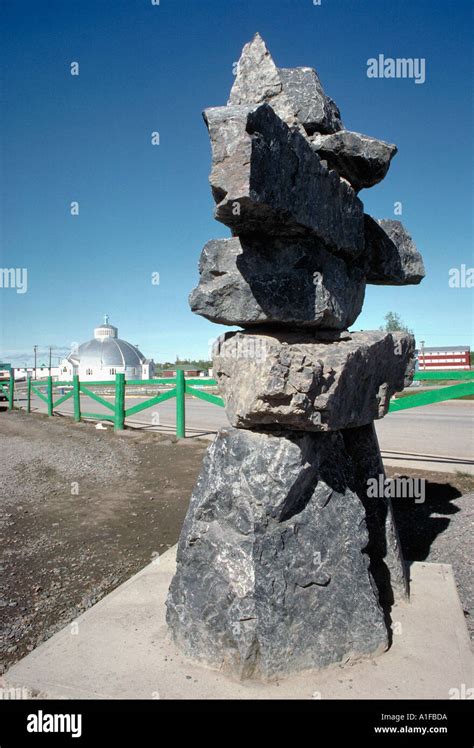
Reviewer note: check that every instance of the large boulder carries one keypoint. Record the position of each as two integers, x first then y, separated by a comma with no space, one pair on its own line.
272,572
294,380
250,281
391,257
296,94
362,160
267,179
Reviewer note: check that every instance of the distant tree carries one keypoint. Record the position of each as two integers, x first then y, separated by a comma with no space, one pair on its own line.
186,363
194,363
394,323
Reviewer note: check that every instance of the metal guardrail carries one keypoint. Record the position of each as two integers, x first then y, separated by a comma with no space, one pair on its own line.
182,387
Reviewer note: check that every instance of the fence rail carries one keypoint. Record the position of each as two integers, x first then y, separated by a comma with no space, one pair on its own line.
180,387
428,397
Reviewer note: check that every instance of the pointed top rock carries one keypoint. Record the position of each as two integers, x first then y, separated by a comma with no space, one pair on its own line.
257,78
295,94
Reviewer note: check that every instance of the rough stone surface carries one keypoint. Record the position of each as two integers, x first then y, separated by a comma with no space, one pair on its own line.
272,571
286,562
268,179
258,79
362,160
313,109
386,560
294,380
295,94
250,281
391,257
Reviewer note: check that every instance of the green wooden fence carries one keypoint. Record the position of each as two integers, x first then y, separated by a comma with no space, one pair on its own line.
182,387
436,395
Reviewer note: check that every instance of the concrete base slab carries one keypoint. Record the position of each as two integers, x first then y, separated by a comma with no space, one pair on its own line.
120,648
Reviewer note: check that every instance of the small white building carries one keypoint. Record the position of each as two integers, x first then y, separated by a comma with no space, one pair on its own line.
106,355
41,372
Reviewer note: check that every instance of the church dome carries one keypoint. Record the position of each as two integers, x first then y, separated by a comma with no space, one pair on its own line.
105,331
106,349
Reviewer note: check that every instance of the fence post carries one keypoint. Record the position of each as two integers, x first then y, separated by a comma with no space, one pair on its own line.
180,406
119,402
50,396
28,394
76,398
11,390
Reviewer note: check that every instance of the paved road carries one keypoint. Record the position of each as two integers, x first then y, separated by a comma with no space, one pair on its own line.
435,437
443,433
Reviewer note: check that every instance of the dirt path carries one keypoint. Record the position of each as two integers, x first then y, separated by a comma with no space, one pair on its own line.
82,510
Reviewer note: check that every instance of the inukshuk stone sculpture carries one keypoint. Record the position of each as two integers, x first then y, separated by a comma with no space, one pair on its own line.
284,562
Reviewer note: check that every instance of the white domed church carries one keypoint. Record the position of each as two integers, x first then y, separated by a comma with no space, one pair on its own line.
106,355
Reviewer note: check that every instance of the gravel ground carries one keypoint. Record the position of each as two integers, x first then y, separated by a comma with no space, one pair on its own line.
82,510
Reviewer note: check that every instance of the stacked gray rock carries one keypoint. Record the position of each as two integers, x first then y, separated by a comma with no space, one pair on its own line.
284,562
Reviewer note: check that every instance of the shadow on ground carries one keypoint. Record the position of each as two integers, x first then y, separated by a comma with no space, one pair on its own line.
420,524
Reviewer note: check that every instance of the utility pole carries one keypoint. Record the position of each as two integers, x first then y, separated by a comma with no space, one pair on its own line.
35,348
49,363
422,343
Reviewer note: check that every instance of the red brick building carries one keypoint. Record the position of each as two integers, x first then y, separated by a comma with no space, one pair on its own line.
451,357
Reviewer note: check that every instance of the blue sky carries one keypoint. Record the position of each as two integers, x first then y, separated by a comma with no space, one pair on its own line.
146,209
